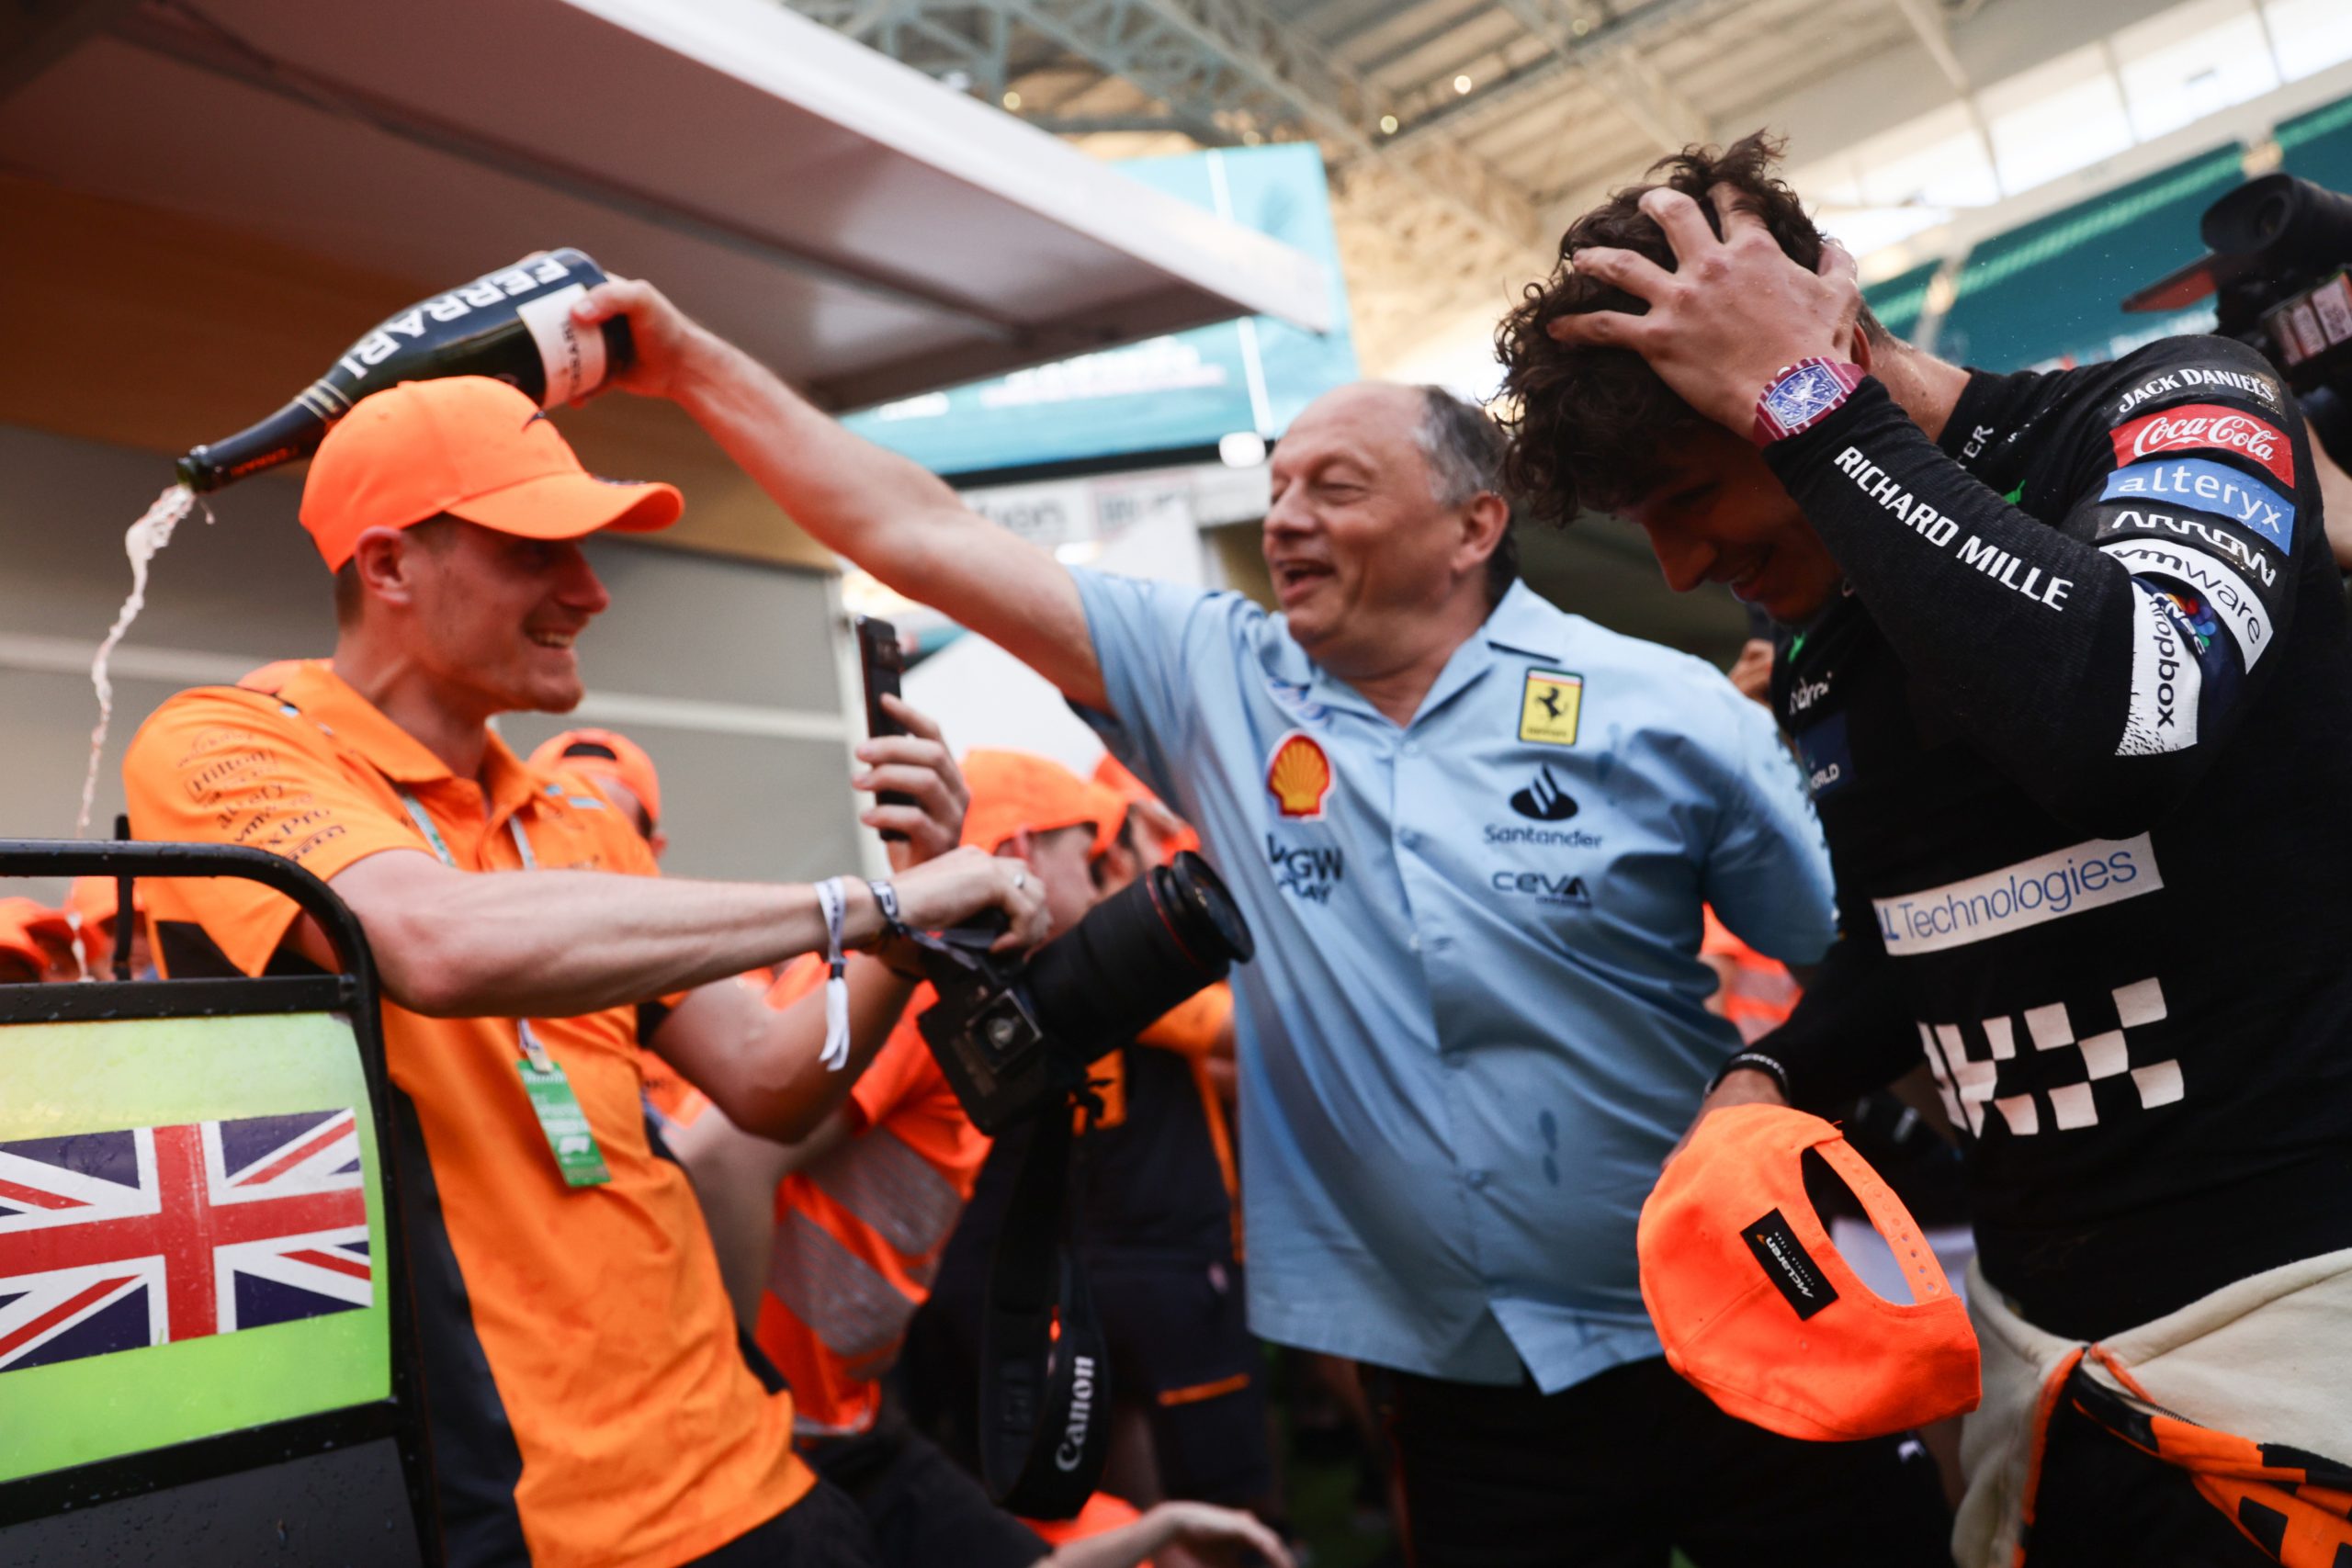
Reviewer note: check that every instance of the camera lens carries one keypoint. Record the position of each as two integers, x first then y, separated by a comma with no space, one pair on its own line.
1199,911
1136,954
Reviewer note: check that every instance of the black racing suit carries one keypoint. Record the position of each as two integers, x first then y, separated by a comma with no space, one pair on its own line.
2080,734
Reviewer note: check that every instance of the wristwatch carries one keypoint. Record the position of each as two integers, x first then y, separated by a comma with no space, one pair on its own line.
1802,395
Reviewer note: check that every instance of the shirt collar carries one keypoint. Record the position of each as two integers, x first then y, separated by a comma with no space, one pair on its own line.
313,689
1524,623
1520,623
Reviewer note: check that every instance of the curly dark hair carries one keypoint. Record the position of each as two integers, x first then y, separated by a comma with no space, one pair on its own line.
1588,426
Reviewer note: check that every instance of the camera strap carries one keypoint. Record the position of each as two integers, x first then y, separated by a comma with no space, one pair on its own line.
1045,1386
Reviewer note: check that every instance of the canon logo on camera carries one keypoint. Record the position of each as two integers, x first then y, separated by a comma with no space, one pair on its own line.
1081,1407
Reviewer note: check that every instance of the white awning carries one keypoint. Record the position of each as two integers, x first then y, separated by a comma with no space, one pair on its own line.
863,230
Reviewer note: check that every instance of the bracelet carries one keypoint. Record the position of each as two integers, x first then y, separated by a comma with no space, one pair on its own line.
831,901
885,899
1753,1060
1802,395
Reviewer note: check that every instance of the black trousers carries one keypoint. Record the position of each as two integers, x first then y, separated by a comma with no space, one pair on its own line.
824,1530
1620,1469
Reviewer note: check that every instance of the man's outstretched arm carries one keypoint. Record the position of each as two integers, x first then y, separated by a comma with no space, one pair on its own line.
890,516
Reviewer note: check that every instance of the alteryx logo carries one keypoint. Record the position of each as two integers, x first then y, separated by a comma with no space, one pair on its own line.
1544,800
2211,487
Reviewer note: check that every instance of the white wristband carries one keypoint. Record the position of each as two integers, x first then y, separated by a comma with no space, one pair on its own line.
831,901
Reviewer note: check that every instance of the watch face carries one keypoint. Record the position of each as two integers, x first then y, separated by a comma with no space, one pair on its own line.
1802,395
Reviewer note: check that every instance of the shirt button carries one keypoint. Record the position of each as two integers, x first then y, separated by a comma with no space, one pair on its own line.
1414,941
1408,838
1476,1178
1412,747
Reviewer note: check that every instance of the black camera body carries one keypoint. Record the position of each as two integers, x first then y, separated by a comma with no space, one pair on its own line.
1015,1036
2280,271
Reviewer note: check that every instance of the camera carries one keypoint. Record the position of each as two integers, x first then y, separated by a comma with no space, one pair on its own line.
1014,1036
2280,248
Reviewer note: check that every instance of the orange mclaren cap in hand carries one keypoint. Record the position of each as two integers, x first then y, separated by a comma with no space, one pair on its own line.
1757,1308
607,754
474,449
1015,790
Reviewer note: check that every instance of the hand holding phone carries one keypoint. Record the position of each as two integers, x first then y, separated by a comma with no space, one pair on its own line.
881,662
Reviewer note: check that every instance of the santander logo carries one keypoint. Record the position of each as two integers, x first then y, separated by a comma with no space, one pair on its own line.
2195,426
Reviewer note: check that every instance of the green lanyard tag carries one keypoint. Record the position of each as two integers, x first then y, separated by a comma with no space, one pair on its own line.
565,1124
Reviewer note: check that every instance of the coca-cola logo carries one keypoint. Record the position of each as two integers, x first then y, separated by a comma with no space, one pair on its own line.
2205,427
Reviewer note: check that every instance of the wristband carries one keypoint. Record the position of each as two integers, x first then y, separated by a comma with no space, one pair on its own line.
1800,395
1753,1060
831,901
885,899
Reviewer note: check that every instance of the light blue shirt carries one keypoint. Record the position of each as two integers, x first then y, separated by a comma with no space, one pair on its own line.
1477,1020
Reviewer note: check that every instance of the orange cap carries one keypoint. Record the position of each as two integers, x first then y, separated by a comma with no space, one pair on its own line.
1014,790
1757,1308
610,754
474,449
1115,776
35,932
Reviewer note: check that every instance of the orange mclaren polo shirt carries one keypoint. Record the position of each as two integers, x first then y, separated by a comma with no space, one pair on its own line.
859,1232
589,1402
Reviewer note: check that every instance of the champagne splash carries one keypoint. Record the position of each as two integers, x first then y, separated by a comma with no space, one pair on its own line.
146,538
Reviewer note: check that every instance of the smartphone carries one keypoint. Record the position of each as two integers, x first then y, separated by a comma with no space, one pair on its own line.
881,660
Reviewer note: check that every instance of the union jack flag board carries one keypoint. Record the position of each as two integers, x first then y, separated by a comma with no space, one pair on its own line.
112,1241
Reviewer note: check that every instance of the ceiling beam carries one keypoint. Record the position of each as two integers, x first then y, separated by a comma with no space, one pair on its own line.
1113,124
1225,68
1933,30
1576,61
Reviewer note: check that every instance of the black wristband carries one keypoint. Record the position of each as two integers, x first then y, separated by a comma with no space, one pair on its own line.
1753,1060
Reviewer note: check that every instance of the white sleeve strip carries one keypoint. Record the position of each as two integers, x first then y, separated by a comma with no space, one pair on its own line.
2233,599
2166,681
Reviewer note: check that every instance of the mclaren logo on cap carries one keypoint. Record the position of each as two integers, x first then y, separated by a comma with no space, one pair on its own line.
1298,775
1788,1265
1549,706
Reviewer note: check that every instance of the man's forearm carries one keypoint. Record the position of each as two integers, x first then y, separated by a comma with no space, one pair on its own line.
852,497
892,516
557,943
764,1066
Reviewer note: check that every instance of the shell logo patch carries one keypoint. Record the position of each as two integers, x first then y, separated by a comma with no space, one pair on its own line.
1549,706
1298,775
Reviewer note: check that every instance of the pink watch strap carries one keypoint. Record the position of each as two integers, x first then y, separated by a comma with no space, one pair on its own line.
1800,395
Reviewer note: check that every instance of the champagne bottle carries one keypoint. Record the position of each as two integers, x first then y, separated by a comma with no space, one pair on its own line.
514,326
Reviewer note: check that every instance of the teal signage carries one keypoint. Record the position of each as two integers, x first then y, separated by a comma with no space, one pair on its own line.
1185,391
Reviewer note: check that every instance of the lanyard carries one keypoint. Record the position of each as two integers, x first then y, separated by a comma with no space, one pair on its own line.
423,820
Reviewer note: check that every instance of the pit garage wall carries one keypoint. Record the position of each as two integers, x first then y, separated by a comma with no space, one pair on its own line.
722,669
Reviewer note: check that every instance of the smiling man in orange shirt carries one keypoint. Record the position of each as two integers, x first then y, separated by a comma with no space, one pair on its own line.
588,1402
